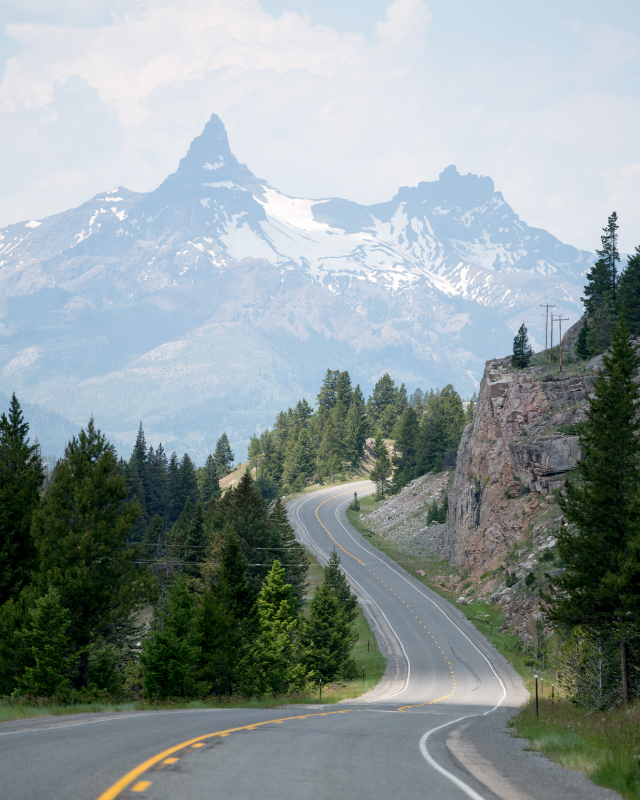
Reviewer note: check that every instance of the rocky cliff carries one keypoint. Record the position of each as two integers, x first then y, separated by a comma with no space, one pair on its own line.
513,459
518,449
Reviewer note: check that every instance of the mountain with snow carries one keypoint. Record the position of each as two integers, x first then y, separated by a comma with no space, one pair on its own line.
214,301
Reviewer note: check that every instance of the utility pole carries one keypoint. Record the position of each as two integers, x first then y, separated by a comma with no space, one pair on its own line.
551,351
546,322
560,321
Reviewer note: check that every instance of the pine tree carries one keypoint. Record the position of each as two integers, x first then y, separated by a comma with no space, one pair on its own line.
21,478
223,456
415,400
629,293
384,395
406,441
211,482
583,349
601,289
328,637
152,543
14,657
303,413
175,500
328,394
170,652
344,391
300,463
158,468
335,578
245,512
444,507
522,350
188,481
137,476
433,436
273,664
601,592
293,557
46,640
355,429
80,533
195,545
268,488
382,469
226,620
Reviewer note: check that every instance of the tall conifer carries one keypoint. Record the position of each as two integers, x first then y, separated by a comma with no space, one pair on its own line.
80,533
600,293
629,293
522,350
21,478
599,588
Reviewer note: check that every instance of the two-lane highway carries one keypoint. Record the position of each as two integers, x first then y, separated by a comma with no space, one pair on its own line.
433,728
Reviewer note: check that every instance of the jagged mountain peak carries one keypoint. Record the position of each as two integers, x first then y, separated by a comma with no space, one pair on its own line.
209,187
216,282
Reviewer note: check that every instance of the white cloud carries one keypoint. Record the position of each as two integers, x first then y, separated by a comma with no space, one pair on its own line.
317,113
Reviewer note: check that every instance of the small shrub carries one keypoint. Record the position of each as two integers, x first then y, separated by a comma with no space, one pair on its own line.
530,579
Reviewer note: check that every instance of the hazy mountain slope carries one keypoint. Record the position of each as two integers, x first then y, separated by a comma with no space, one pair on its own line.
215,300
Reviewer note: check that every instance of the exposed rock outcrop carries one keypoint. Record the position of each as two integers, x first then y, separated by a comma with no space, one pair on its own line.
519,447
401,520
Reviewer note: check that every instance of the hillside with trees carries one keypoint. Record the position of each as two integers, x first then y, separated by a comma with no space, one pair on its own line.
307,446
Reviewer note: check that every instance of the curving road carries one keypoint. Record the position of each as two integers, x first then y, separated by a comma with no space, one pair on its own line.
434,727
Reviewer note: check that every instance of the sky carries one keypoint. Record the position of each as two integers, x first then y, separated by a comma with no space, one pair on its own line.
329,98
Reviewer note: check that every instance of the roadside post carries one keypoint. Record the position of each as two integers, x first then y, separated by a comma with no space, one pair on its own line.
363,675
536,677
320,689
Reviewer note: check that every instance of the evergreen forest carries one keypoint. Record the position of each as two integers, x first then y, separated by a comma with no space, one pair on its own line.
412,435
119,579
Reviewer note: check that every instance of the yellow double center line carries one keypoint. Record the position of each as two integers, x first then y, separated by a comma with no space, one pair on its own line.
402,708
128,779
327,530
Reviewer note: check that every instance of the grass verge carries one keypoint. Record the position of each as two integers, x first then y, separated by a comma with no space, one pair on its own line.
605,746
487,617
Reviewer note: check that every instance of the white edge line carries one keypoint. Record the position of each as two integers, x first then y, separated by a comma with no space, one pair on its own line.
433,763
442,611
423,741
406,684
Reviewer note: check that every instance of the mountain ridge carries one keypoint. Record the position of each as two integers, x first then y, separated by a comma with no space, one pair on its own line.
130,304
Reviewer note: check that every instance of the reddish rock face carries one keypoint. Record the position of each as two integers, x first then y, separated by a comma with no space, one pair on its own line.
519,448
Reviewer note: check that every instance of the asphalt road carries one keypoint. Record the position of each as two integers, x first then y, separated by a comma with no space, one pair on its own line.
434,728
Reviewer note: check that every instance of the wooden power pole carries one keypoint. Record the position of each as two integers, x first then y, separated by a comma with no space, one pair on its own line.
546,323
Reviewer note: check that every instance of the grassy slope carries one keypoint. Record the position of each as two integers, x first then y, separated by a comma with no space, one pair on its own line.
605,746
